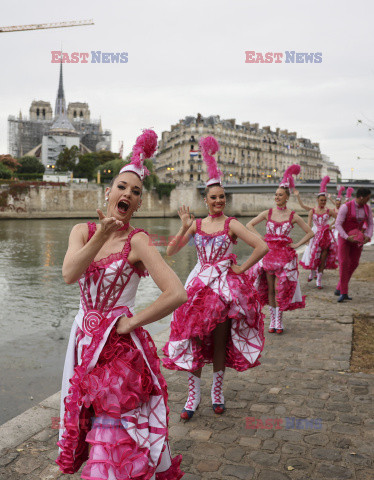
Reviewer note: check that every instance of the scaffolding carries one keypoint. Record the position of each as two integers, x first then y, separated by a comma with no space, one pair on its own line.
25,134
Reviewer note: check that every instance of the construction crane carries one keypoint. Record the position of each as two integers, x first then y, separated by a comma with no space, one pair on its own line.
41,26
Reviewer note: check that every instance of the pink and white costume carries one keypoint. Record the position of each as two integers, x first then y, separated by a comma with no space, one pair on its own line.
215,293
113,394
281,261
351,216
322,240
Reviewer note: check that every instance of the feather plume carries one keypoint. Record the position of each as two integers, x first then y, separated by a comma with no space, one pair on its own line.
209,146
350,190
324,182
145,147
288,178
341,191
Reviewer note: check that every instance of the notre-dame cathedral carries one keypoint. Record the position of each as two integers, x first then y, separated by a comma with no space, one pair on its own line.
45,134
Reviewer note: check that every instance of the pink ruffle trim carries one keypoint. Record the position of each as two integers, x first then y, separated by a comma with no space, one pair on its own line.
323,240
205,309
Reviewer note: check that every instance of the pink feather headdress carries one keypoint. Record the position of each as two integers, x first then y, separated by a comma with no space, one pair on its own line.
340,193
323,186
288,180
209,146
145,147
348,195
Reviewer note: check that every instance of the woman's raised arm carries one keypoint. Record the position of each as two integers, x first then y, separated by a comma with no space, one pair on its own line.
187,230
80,252
302,204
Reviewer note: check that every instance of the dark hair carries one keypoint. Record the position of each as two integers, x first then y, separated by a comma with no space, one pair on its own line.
287,190
206,191
363,192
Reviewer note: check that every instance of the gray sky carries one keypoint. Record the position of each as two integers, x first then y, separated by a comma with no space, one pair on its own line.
189,57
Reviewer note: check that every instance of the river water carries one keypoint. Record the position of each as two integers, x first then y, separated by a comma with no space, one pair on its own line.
37,308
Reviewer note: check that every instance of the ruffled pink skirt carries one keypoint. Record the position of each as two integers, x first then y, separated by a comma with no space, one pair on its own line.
281,261
323,240
120,382
191,345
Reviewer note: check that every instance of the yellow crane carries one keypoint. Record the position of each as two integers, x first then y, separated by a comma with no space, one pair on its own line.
41,26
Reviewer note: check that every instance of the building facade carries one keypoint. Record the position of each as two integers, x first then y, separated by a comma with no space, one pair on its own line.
25,135
248,153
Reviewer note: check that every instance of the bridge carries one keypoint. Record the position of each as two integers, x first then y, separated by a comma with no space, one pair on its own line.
302,187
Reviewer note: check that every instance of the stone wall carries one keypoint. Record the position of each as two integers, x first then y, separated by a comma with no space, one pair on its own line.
79,201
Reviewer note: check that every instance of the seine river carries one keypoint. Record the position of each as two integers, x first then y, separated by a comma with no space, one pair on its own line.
37,308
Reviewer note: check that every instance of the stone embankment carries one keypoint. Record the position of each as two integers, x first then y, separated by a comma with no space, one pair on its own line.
301,415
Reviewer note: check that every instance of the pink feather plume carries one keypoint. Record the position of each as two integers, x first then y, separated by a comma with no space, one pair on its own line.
145,147
341,191
350,190
209,146
288,175
324,182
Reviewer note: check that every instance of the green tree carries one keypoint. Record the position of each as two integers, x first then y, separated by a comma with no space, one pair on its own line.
111,168
105,156
86,166
30,165
67,159
5,172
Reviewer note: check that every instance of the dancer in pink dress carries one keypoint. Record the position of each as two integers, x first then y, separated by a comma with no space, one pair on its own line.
276,276
221,323
114,410
337,204
322,251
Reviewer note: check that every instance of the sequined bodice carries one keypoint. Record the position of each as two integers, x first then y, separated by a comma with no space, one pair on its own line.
213,247
320,220
111,282
279,229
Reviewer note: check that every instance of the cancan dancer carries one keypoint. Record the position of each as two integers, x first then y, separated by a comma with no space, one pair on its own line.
355,227
322,251
337,204
276,276
221,323
114,398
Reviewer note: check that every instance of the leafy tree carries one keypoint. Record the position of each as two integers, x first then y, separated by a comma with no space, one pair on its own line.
67,159
9,162
105,156
86,166
30,165
5,172
113,165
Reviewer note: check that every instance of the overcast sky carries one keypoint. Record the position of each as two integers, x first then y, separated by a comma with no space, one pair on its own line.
186,58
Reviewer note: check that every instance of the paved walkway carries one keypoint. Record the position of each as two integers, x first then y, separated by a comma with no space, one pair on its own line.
322,423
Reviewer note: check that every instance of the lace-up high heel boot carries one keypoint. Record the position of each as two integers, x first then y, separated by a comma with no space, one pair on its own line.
194,396
218,400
